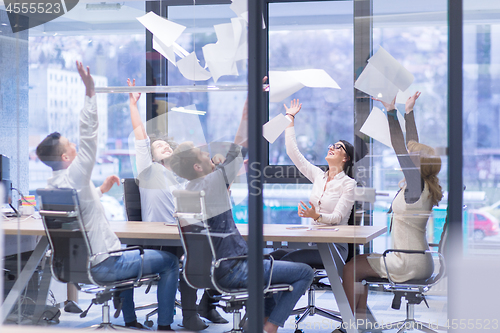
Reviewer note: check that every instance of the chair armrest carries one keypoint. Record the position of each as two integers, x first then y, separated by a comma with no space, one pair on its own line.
131,248
441,258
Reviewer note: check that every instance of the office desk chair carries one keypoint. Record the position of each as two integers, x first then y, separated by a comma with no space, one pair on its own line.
71,253
413,290
200,261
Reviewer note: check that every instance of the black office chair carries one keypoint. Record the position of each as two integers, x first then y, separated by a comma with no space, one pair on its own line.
200,261
132,199
413,290
71,253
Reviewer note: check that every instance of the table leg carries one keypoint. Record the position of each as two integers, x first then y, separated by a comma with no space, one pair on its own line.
24,277
334,266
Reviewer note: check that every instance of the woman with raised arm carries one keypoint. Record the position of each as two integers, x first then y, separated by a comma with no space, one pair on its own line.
332,195
412,206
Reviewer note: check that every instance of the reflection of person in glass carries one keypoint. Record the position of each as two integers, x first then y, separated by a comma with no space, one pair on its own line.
412,206
193,164
157,205
332,195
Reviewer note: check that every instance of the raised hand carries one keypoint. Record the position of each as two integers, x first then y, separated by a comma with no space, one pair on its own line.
410,102
108,183
388,106
134,97
295,107
86,78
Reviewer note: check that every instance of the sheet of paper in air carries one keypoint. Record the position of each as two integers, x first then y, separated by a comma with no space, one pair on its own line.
190,68
274,127
240,8
240,38
164,50
377,127
165,30
403,96
284,83
383,77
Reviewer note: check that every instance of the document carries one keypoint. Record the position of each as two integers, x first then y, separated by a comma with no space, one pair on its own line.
274,127
240,8
166,31
383,77
166,51
285,83
191,69
376,126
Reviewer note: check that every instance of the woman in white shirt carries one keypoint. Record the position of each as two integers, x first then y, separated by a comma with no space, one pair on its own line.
332,195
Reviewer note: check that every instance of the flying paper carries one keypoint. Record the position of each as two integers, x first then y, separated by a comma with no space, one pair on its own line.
166,31
274,127
383,77
190,68
164,50
377,126
285,83
240,8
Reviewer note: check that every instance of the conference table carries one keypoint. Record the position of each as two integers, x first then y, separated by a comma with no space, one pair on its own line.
158,233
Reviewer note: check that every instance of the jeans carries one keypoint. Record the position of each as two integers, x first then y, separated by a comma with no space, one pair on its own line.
279,307
127,266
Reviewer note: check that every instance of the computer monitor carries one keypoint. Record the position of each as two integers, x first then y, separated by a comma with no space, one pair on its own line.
5,178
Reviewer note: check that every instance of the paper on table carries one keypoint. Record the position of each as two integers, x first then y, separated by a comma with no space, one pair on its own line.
274,127
377,127
285,83
165,30
383,77
164,50
190,68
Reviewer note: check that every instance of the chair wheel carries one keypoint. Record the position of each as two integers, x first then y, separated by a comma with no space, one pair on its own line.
148,323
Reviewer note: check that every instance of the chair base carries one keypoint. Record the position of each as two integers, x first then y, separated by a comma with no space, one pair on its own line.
312,310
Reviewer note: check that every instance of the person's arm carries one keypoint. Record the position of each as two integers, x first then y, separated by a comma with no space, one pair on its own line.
107,185
411,127
308,169
241,137
410,170
344,205
232,164
81,168
143,157
137,125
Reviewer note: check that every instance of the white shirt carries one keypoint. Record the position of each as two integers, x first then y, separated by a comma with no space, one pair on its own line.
335,201
77,176
156,184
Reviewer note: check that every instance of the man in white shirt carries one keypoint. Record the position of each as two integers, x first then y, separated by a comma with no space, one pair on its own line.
72,169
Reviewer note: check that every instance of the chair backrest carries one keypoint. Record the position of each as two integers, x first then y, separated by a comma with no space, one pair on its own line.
132,199
67,236
199,252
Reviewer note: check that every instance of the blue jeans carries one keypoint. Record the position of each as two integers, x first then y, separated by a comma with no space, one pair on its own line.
279,307
127,266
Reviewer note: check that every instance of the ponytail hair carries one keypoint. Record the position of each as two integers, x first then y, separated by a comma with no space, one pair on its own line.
348,165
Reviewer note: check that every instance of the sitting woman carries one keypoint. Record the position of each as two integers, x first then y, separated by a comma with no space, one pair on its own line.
412,206
332,195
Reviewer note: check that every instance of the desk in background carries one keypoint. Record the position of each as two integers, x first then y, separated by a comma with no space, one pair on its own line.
156,233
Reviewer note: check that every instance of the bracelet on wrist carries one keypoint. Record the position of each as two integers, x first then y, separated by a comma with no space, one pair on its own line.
289,114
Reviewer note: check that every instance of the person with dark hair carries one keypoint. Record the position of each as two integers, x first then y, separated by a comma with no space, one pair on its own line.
72,169
156,182
332,195
195,165
412,207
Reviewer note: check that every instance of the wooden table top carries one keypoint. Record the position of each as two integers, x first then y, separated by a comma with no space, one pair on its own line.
272,232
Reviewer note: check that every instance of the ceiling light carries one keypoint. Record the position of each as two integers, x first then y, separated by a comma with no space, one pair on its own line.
103,6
